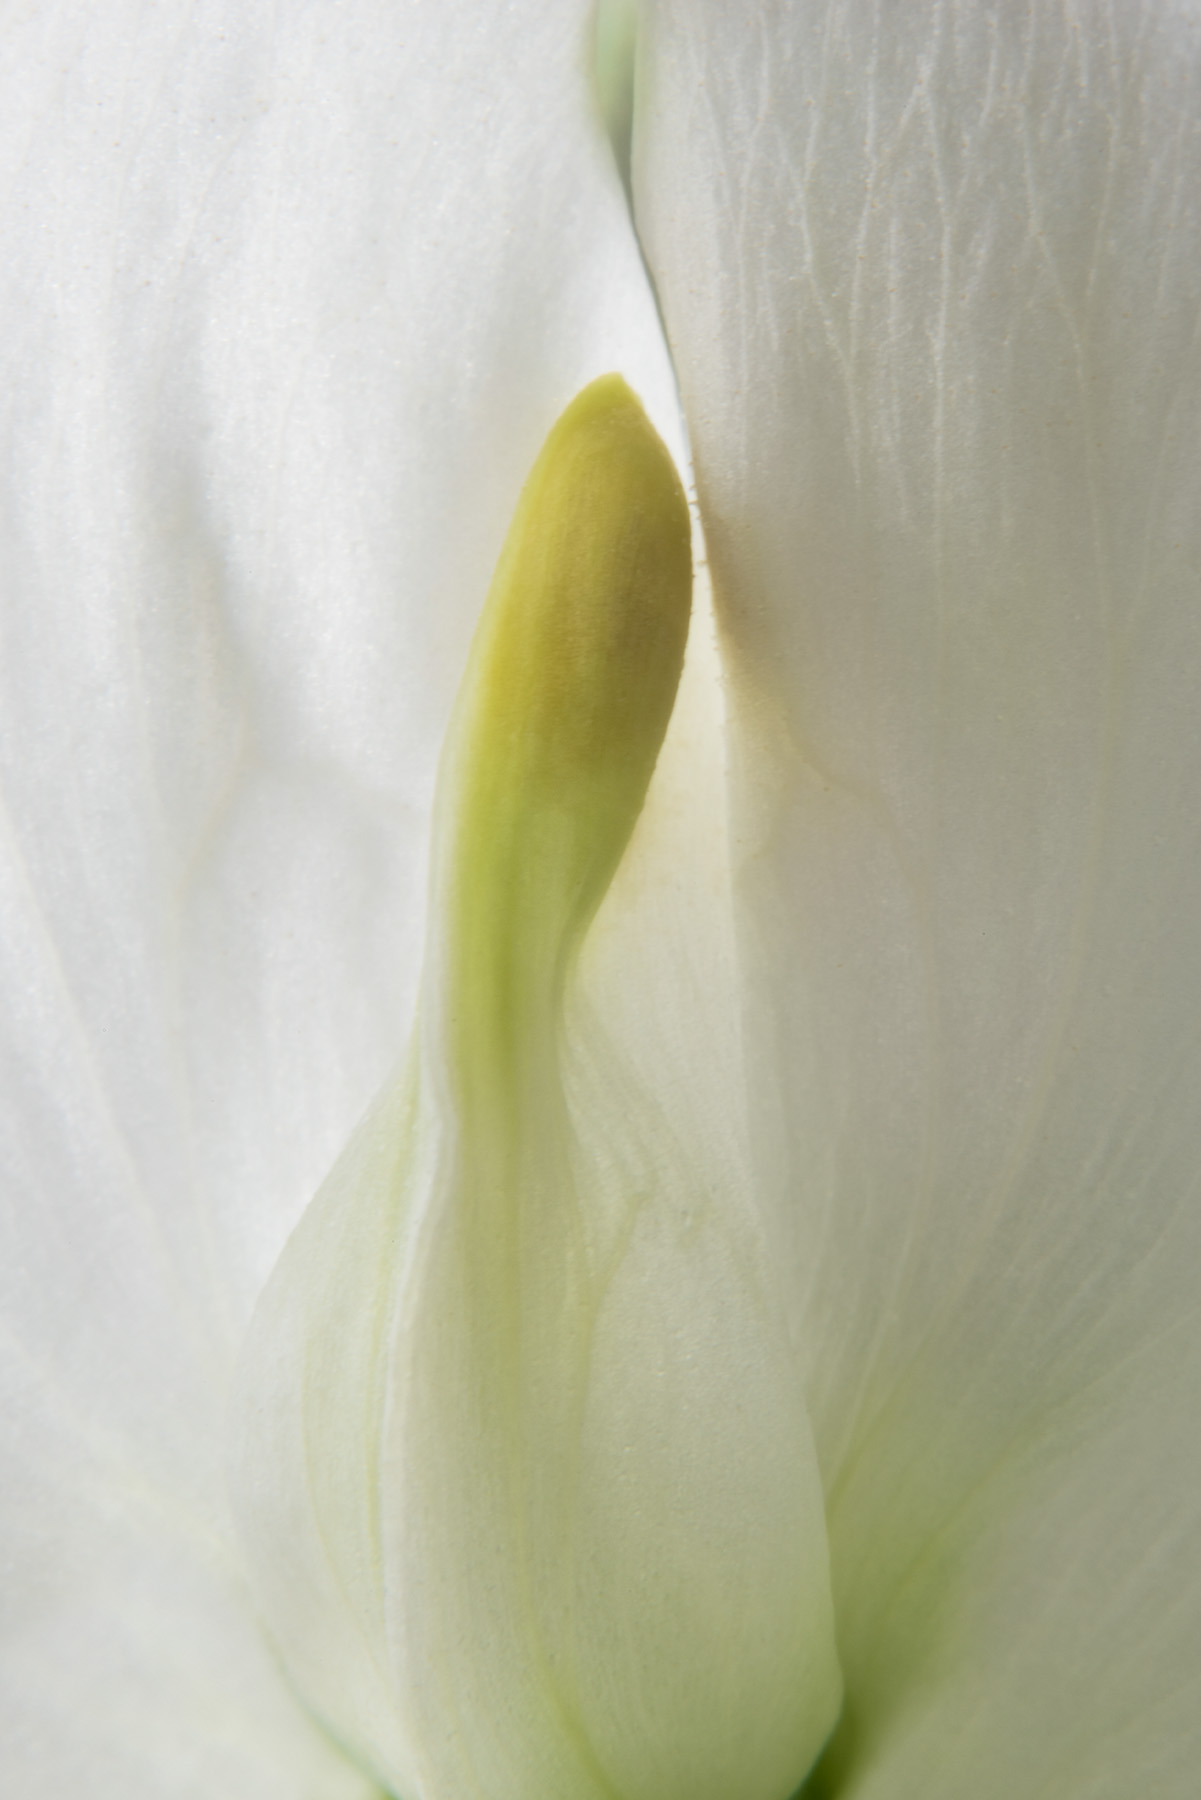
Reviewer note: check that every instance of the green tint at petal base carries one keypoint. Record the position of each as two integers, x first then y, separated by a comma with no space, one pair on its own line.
523,1463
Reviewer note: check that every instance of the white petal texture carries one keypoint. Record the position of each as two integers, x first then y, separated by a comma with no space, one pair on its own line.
930,274
291,297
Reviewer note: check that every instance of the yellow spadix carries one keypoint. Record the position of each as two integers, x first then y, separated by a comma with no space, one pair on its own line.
567,696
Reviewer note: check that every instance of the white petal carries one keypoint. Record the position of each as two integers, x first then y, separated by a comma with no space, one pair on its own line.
290,298
930,275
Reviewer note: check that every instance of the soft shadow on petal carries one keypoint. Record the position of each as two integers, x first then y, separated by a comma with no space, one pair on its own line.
291,297
930,275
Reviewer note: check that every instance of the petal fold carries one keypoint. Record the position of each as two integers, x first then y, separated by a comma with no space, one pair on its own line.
930,277
290,299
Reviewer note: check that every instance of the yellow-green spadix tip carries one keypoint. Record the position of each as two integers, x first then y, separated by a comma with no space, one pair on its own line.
572,676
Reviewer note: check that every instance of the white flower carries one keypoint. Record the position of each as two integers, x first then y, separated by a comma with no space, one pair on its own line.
291,299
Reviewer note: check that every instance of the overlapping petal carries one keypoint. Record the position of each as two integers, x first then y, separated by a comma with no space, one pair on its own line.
291,297
930,278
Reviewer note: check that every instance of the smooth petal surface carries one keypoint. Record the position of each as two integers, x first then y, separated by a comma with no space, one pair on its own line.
291,297
930,274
